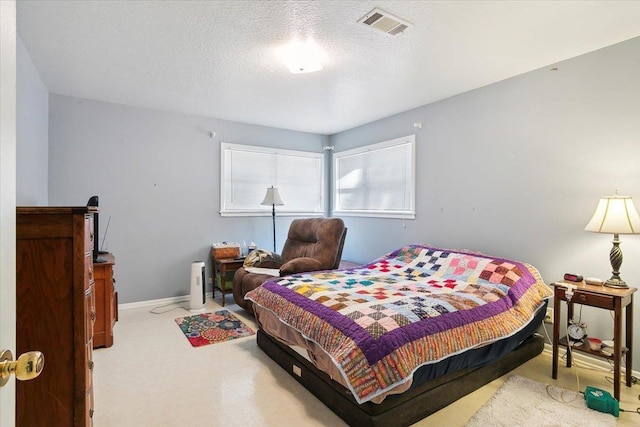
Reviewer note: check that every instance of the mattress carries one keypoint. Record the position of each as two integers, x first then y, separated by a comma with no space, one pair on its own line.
472,358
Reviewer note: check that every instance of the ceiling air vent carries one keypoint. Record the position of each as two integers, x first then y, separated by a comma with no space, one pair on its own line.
384,21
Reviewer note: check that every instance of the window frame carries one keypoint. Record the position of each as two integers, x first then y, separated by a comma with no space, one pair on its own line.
409,186
280,155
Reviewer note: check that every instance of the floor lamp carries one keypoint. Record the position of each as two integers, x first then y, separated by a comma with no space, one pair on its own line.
273,198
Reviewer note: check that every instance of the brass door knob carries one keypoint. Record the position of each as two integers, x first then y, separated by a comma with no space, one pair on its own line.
27,367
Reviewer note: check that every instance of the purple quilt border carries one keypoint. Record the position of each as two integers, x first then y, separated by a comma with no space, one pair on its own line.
376,349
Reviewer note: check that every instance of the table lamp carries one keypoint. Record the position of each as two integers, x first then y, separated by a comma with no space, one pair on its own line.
273,198
615,215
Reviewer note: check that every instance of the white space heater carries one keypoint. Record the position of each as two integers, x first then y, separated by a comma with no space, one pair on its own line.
198,296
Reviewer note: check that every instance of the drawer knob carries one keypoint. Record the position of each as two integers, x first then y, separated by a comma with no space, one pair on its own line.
91,365
582,297
27,367
93,315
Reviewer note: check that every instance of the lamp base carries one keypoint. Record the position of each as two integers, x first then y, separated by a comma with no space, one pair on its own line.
615,257
616,282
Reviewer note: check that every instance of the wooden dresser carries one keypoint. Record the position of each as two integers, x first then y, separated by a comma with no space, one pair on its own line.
55,314
106,302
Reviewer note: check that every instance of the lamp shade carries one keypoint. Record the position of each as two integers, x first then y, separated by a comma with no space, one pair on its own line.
615,215
272,197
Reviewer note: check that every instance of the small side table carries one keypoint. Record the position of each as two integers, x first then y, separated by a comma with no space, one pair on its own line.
221,267
106,299
600,297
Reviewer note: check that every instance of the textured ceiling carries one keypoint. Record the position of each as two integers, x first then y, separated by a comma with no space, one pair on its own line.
219,58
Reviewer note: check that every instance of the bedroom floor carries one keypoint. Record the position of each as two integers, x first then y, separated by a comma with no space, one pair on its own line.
153,377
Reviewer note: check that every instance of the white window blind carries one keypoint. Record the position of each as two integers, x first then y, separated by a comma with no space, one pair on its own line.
376,180
247,171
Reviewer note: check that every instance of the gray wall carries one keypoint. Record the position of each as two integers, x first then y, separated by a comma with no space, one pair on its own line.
32,132
516,169
158,177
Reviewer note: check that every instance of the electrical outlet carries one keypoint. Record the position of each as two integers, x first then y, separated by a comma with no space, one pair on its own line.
548,318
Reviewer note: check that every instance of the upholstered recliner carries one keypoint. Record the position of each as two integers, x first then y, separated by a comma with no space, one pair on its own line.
313,244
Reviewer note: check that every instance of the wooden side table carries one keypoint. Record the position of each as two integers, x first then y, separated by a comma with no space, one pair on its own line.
106,302
220,268
600,297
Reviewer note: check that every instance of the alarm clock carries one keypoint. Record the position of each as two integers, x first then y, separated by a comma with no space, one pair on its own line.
577,331
572,277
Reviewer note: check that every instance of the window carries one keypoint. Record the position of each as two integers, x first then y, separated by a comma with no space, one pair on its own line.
376,180
247,171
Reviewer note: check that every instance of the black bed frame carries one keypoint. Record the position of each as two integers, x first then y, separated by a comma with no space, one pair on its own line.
399,410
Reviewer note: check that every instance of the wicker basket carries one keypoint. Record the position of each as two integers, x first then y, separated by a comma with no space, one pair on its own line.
224,251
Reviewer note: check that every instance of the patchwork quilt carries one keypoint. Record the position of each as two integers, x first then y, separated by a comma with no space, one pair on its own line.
381,321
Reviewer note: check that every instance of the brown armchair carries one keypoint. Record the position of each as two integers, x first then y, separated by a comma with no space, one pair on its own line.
313,244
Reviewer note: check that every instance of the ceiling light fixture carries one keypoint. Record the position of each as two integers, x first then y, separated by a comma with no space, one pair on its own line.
302,56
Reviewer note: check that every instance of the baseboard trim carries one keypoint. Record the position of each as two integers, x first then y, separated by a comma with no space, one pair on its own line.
589,362
155,302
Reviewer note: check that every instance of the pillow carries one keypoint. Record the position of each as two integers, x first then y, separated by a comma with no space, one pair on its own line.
300,265
262,258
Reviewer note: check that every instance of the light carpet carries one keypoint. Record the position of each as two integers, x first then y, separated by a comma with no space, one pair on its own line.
524,402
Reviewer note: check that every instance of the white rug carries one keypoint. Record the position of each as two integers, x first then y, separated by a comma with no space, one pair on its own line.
524,402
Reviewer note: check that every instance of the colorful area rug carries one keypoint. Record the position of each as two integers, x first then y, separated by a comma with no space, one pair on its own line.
526,403
210,328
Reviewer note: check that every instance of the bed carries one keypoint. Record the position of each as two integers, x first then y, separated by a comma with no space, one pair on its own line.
394,340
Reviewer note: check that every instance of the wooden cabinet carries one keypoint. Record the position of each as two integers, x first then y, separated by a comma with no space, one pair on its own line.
55,310
620,301
106,302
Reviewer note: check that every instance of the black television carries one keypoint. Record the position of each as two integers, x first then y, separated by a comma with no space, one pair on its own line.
93,201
